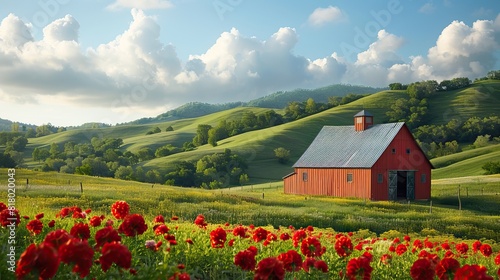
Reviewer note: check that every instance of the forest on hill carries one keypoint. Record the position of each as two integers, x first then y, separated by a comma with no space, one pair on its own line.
248,144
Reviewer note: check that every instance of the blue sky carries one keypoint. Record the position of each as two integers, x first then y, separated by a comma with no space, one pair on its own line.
71,62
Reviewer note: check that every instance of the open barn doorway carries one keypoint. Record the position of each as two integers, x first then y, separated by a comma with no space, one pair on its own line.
401,185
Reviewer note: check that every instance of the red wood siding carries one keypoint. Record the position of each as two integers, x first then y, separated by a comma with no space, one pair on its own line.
330,182
401,160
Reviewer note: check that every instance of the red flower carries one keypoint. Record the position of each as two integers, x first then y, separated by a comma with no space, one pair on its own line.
218,238
386,259
269,268
41,260
159,219
9,217
486,250
95,221
120,209
321,266
52,223
180,276
285,236
422,269
67,211
310,228
106,235
401,249
35,226
200,221
80,230
39,216
476,245
298,236
174,218
2,206
189,241
152,245
292,261
259,234
446,268
115,253
417,244
407,238
79,253
270,238
497,259
170,238
161,229
133,225
240,231
462,248
57,237
359,267
311,247
308,263
343,246
445,246
472,272
245,259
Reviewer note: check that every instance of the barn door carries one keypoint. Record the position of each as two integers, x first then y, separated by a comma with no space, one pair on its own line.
410,185
393,185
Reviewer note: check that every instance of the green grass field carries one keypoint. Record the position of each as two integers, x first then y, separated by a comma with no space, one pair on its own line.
265,204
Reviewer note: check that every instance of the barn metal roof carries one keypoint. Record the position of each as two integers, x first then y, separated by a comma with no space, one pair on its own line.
343,147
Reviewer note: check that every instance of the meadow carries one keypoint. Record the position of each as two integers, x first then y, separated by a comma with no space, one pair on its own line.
375,225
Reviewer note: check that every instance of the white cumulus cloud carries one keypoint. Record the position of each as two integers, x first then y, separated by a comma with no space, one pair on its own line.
322,16
140,4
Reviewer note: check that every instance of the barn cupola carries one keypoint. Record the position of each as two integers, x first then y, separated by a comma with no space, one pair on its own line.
363,120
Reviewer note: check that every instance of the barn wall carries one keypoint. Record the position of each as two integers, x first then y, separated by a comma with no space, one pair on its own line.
330,182
400,160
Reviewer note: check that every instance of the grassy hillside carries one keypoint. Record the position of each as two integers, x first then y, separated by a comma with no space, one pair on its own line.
480,99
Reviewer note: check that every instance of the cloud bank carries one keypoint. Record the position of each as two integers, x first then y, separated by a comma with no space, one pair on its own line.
137,71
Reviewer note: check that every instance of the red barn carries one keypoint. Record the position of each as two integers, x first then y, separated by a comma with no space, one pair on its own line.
377,162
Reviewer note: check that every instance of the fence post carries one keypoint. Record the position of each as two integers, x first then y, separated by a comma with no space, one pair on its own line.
459,201
81,187
262,195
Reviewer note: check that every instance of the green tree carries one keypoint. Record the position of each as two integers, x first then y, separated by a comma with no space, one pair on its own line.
30,133
54,150
212,137
124,173
311,106
282,154
6,161
169,128
244,179
201,137
145,154
482,141
491,167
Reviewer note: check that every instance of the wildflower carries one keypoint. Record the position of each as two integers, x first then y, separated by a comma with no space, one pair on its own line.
240,231
270,238
270,268
133,225
161,230
152,245
476,246
35,226
106,235
486,250
39,216
5,217
422,269
462,248
170,238
180,276
174,218
95,221
79,253
284,236
120,209
200,221
41,260
359,267
292,261
259,234
472,272
2,206
218,238
57,238
116,253
245,259
446,268
189,241
159,219
321,266
311,247
343,246
497,259
80,230
52,223
298,236
386,259
401,249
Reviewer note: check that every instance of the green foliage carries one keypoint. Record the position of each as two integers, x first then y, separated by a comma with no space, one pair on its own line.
154,131
145,154
491,167
494,75
201,137
282,154
169,128
166,150
7,161
482,141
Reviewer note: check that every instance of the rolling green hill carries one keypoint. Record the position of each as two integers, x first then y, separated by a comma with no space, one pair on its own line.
480,99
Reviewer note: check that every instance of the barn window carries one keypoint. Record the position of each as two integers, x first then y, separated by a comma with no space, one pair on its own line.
359,120
368,120
408,150
393,150
304,176
380,178
349,178
422,178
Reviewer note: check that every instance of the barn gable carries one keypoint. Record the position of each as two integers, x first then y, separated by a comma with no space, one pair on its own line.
344,147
